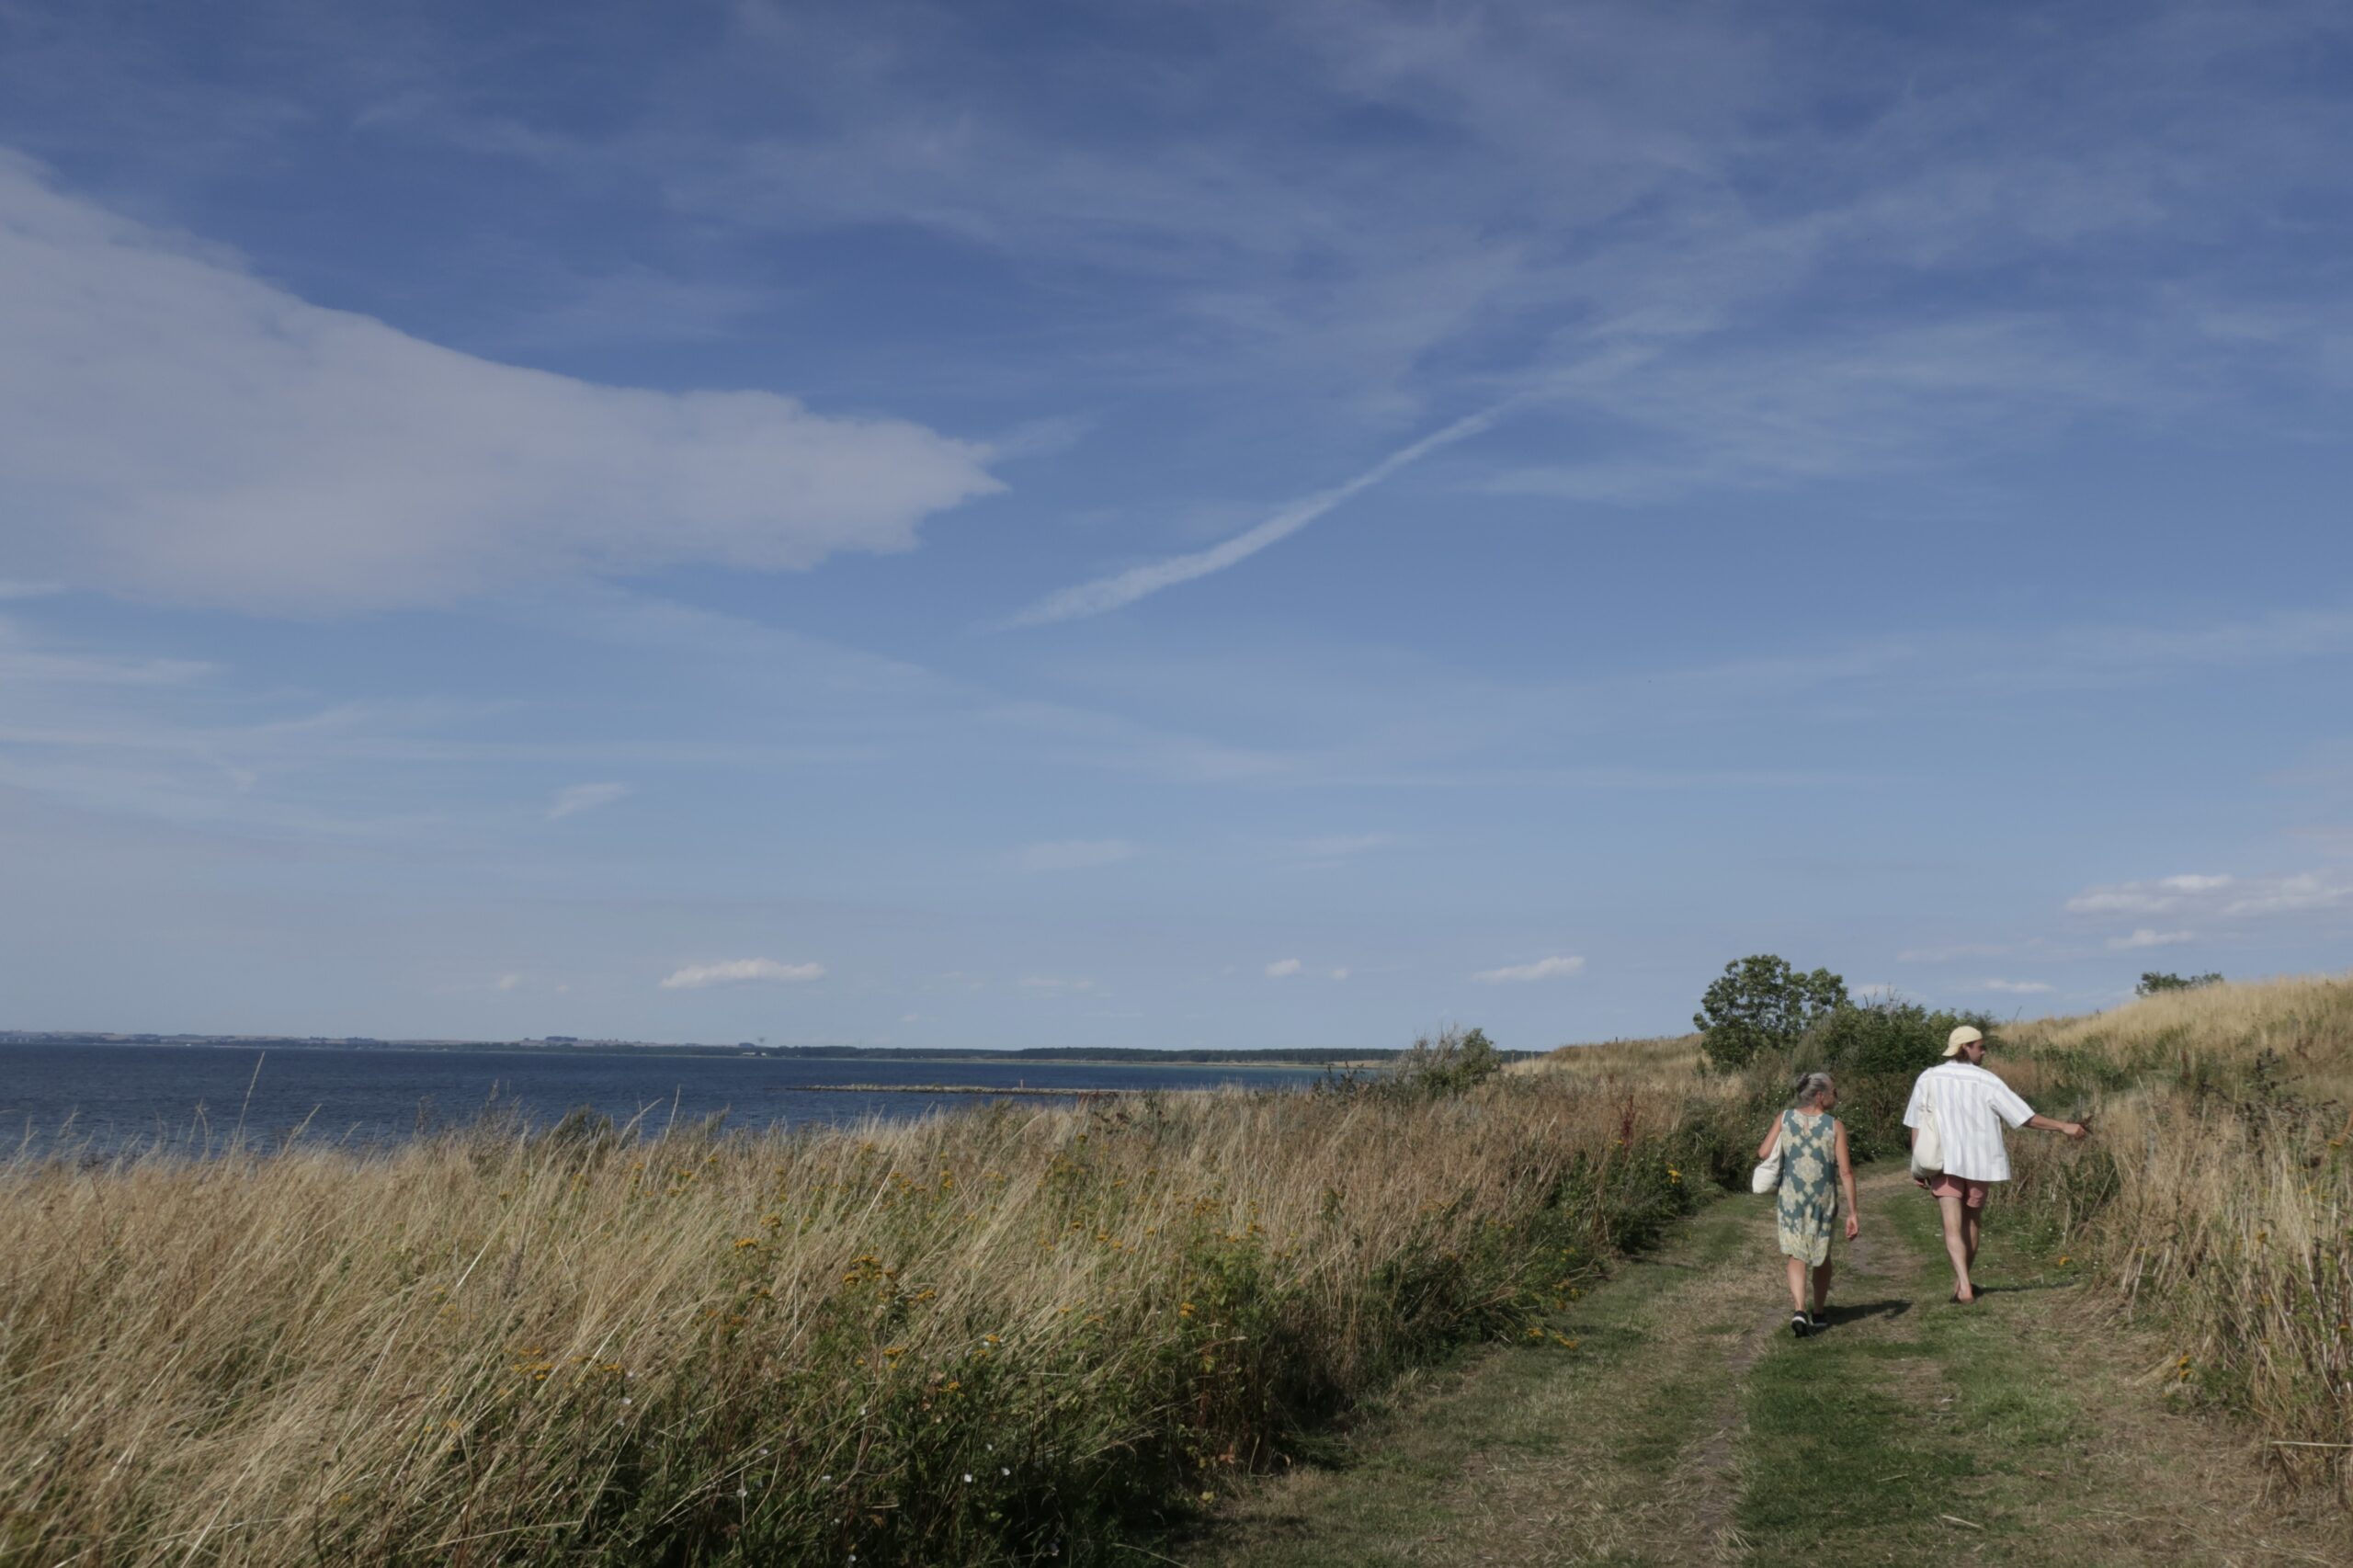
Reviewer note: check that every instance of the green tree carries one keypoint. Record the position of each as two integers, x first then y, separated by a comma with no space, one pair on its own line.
1761,1003
2154,981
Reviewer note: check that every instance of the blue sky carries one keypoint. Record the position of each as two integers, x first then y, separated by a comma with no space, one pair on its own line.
1164,524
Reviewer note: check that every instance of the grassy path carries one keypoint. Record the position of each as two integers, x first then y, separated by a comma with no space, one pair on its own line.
1687,1427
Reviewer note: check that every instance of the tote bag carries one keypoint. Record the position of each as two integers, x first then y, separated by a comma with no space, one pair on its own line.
1927,1145
1767,1173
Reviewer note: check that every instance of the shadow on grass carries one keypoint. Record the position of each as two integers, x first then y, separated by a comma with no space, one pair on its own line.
1858,1312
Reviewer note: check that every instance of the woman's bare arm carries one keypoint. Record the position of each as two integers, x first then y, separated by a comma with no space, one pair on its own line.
1847,1186
1765,1150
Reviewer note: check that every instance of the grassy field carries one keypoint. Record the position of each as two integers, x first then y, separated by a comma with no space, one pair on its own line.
2214,1203
1006,1334
1057,1334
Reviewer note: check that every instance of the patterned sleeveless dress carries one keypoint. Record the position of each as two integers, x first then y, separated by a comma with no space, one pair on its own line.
1809,1184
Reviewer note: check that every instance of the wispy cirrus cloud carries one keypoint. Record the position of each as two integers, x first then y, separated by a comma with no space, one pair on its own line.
1543,968
1104,594
1283,969
2016,987
574,798
738,971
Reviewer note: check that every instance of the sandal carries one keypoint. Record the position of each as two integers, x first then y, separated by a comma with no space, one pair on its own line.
1798,1327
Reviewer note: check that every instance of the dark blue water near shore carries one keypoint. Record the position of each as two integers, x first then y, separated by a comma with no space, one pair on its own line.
104,1099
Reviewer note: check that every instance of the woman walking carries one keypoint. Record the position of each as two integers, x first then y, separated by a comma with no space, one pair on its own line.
1813,1145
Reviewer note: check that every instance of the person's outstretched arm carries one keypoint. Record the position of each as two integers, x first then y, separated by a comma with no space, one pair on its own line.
2075,1130
1847,1185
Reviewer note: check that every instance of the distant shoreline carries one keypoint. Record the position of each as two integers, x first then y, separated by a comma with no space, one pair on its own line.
1043,1056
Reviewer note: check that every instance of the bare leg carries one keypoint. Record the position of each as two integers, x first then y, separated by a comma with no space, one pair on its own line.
1957,1246
1973,1219
1797,1284
1821,1287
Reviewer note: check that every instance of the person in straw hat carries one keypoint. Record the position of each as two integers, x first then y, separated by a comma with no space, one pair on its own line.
1969,1106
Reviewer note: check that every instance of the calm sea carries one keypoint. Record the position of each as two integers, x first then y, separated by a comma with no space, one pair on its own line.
108,1098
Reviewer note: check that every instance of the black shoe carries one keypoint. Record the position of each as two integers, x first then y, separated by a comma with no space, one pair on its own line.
1798,1327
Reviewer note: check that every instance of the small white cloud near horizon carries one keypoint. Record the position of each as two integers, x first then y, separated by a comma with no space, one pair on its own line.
1872,990
1073,854
574,798
695,976
1103,595
2145,938
2017,987
509,981
2224,897
1283,969
1543,968
2144,898
1341,973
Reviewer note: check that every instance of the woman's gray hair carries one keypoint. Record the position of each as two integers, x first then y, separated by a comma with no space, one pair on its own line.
1812,1086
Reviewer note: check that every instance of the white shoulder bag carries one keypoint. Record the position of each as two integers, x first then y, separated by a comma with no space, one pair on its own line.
1927,1145
1767,1173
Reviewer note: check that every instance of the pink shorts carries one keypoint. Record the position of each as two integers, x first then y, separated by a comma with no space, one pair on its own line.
1971,1193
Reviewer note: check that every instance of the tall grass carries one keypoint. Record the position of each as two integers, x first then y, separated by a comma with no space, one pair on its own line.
998,1335
2216,1201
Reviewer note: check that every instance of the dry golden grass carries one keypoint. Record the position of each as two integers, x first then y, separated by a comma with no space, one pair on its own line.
1668,1062
2216,1201
940,1341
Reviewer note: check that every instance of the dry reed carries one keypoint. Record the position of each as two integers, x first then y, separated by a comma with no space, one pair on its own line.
2216,1201
991,1335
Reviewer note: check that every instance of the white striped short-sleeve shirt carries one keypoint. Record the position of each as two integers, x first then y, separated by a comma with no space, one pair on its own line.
1970,1106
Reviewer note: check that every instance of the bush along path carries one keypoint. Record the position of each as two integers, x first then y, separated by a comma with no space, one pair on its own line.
1669,1419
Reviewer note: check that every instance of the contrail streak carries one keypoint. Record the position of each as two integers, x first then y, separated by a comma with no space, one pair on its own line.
1105,593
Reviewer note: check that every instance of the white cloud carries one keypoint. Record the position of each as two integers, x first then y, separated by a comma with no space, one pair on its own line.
576,797
1106,594
176,427
2146,937
2223,897
509,981
1074,854
1340,973
1543,968
2016,987
2144,898
695,976
1283,969
1051,986
2282,895
1872,991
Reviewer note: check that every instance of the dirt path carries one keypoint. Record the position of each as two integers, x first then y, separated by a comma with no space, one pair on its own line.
1686,1427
